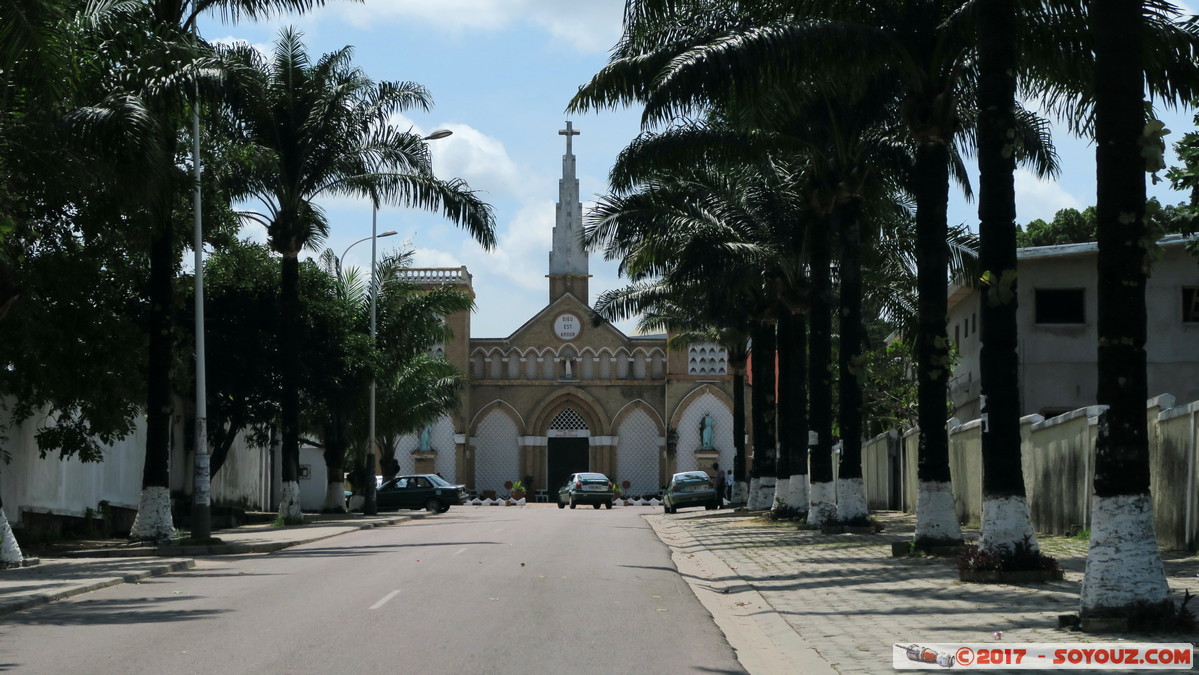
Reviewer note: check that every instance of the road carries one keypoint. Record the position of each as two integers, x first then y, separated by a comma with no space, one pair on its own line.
475,590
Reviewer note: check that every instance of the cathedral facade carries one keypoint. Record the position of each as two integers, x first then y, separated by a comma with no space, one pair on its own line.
560,395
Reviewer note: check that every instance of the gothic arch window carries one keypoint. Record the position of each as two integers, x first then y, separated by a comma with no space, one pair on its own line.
496,372
476,366
513,359
568,420
622,365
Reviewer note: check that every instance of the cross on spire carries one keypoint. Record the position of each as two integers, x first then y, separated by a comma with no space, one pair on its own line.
568,132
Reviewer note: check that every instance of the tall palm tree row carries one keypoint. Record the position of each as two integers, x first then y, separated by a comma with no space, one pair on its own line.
321,129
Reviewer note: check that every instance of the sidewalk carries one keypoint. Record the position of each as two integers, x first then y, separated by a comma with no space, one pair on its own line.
88,570
846,601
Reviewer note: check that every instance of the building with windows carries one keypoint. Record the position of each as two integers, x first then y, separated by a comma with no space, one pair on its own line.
561,395
1057,305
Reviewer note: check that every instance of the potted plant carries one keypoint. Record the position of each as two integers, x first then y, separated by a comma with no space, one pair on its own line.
518,489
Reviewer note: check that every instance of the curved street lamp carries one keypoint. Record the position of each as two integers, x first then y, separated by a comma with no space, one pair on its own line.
370,506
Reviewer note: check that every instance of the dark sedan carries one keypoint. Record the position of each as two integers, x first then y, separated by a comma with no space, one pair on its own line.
586,488
426,491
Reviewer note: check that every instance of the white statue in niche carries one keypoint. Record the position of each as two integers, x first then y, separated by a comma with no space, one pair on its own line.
707,429
426,443
568,369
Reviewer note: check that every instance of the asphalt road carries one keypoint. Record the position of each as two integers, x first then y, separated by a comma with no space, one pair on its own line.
475,590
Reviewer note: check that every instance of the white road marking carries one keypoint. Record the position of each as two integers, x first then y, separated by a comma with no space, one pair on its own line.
384,600
461,550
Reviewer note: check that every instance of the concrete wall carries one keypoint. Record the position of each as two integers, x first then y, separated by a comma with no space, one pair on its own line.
70,487
1058,460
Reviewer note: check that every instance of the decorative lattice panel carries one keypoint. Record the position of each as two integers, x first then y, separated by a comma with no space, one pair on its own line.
587,368
530,367
513,366
547,368
622,366
496,371
690,425
568,419
639,369
441,439
605,368
497,455
476,366
707,359
637,453
659,366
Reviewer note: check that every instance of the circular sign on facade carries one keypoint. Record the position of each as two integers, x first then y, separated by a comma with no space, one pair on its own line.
567,326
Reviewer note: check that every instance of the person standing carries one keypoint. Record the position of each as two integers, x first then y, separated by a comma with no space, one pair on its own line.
720,486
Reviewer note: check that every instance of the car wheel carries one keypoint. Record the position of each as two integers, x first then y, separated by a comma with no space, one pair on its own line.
665,509
608,504
443,509
674,509
572,502
561,504
433,506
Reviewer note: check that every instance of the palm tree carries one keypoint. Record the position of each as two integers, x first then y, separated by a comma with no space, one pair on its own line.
321,130
1124,573
1006,524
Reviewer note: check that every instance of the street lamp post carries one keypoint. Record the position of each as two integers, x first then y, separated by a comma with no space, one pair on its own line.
370,506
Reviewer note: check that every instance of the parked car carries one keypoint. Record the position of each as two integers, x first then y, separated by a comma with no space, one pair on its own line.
416,491
586,488
690,488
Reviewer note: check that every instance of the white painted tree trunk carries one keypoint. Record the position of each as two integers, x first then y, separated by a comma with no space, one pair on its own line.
822,503
153,521
765,493
936,517
751,499
851,500
797,492
1005,524
10,550
335,497
740,492
1124,564
289,501
780,493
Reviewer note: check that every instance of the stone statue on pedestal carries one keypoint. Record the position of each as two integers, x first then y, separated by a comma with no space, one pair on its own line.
707,428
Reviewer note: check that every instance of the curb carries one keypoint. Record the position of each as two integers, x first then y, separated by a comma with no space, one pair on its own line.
763,640
169,551
8,606
33,600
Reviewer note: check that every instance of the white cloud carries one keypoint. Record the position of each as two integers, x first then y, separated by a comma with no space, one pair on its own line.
591,26
1036,198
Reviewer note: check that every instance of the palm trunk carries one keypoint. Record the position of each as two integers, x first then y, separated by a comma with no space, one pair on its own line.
289,365
822,494
936,517
737,358
335,455
851,493
762,473
153,521
1124,573
10,550
1006,524
793,411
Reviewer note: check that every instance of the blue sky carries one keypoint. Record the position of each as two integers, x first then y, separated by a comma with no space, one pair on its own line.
501,73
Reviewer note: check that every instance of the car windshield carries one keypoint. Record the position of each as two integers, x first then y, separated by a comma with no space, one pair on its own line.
438,480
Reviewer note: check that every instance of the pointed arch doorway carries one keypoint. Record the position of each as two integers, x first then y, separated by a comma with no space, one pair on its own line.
568,448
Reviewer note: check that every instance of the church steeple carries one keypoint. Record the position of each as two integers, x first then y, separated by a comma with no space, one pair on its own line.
568,261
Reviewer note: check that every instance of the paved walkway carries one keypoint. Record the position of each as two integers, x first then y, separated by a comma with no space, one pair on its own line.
849,601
